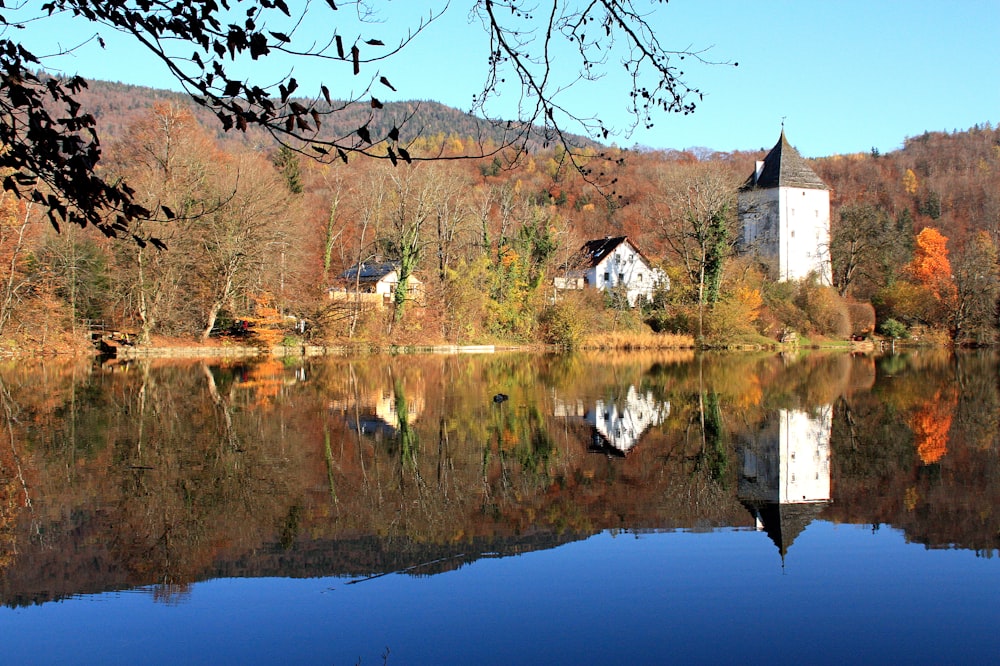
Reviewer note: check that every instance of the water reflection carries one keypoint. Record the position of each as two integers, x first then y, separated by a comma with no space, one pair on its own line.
785,475
617,425
160,475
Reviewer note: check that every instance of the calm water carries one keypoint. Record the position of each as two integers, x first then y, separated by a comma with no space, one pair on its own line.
503,509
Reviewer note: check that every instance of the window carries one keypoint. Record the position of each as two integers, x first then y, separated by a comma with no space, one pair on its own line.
621,277
639,277
607,277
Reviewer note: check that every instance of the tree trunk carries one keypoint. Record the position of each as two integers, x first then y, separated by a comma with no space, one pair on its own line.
213,314
146,320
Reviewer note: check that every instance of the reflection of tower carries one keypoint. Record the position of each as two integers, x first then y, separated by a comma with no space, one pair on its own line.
785,480
616,431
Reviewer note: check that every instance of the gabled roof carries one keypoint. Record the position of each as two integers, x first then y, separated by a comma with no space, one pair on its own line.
369,271
595,251
784,167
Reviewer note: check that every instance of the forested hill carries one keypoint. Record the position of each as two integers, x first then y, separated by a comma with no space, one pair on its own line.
117,105
914,233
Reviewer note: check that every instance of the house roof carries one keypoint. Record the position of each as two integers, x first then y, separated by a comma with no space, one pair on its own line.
595,251
369,271
784,167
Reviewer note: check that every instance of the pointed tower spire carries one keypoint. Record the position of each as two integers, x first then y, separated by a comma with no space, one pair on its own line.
784,167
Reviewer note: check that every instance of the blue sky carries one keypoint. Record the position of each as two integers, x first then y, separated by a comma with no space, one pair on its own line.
845,76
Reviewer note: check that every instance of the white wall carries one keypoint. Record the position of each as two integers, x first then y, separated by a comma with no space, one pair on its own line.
626,266
805,234
788,228
789,459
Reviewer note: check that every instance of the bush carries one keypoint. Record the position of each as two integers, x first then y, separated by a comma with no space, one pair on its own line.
561,325
735,315
827,311
893,329
682,320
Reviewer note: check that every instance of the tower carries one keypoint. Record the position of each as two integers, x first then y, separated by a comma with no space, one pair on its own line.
784,210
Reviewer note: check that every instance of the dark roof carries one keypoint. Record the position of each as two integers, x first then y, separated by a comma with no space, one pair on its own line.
784,167
369,271
784,522
595,251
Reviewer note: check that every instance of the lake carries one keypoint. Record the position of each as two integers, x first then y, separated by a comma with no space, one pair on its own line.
502,509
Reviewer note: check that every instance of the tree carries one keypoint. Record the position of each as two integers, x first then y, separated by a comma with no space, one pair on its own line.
167,157
238,242
286,161
865,249
977,289
930,266
694,217
53,148
15,219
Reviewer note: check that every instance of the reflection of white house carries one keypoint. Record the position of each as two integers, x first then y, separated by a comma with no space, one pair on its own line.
609,263
616,428
373,281
385,408
784,210
785,475
376,412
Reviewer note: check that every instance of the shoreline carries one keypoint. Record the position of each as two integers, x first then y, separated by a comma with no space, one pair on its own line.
115,351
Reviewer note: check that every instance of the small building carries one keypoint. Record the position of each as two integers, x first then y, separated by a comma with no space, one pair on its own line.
784,210
373,282
610,263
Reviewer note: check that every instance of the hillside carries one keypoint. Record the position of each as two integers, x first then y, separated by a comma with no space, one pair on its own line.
265,231
116,105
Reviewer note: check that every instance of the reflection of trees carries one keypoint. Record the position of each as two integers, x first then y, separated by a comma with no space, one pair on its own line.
157,473
714,455
190,471
878,471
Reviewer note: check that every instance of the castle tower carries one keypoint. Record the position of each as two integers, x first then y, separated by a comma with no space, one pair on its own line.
784,211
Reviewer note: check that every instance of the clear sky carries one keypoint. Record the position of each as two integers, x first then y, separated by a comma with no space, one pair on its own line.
845,76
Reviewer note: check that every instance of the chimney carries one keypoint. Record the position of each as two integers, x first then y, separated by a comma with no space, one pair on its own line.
756,173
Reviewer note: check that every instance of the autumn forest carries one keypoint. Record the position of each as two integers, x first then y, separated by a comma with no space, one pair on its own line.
261,234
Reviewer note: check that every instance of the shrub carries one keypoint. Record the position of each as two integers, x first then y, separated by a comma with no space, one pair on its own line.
827,311
893,329
735,315
561,325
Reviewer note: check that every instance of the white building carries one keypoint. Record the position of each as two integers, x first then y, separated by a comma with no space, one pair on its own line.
617,428
616,425
612,262
785,472
784,210
373,282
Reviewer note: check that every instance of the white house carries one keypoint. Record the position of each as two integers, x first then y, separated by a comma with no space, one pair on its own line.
784,210
373,281
618,424
617,427
608,263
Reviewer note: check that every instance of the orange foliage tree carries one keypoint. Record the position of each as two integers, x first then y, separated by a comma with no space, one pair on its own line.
930,266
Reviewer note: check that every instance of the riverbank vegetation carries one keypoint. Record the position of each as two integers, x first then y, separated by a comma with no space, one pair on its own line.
262,235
